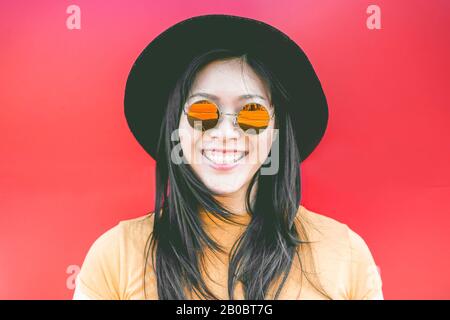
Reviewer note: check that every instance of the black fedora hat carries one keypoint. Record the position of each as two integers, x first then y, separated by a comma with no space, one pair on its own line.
156,70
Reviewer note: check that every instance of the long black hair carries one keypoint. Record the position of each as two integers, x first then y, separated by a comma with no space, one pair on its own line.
266,249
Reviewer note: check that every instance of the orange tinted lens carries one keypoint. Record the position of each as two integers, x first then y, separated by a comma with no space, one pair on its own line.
253,116
204,111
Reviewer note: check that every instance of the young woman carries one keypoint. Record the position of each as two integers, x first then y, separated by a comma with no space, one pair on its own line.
228,123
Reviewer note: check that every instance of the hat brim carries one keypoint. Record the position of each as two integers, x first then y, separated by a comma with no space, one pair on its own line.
156,70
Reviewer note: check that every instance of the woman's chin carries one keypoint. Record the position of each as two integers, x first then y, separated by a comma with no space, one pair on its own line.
223,186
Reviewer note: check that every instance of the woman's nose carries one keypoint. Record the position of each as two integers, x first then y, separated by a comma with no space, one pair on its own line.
226,127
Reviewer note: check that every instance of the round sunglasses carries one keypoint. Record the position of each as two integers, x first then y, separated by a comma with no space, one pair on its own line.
206,113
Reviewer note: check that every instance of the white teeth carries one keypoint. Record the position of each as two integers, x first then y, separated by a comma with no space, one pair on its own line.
223,158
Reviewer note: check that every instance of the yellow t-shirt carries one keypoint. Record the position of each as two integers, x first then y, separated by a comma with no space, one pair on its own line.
338,261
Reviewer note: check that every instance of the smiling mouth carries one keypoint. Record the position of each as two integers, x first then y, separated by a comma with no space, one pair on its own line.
222,158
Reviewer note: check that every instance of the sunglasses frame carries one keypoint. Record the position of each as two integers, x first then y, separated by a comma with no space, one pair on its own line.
235,115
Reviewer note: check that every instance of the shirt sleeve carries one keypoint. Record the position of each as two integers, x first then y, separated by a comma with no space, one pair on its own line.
366,283
99,274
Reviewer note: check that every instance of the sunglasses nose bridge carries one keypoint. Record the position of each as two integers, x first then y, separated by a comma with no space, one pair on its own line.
233,115
225,130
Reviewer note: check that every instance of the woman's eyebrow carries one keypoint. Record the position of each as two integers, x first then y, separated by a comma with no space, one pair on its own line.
241,97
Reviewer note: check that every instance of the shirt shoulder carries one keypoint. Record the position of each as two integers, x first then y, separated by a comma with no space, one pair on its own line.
136,229
342,258
321,228
99,274
112,257
366,283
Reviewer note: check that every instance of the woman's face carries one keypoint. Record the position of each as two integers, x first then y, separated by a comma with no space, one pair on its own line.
225,157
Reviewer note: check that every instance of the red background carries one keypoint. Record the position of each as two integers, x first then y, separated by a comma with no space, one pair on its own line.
70,168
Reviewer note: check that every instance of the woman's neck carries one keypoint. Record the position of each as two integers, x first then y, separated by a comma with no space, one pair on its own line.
235,202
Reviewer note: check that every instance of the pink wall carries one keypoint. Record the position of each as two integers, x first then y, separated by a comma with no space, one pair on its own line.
70,168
